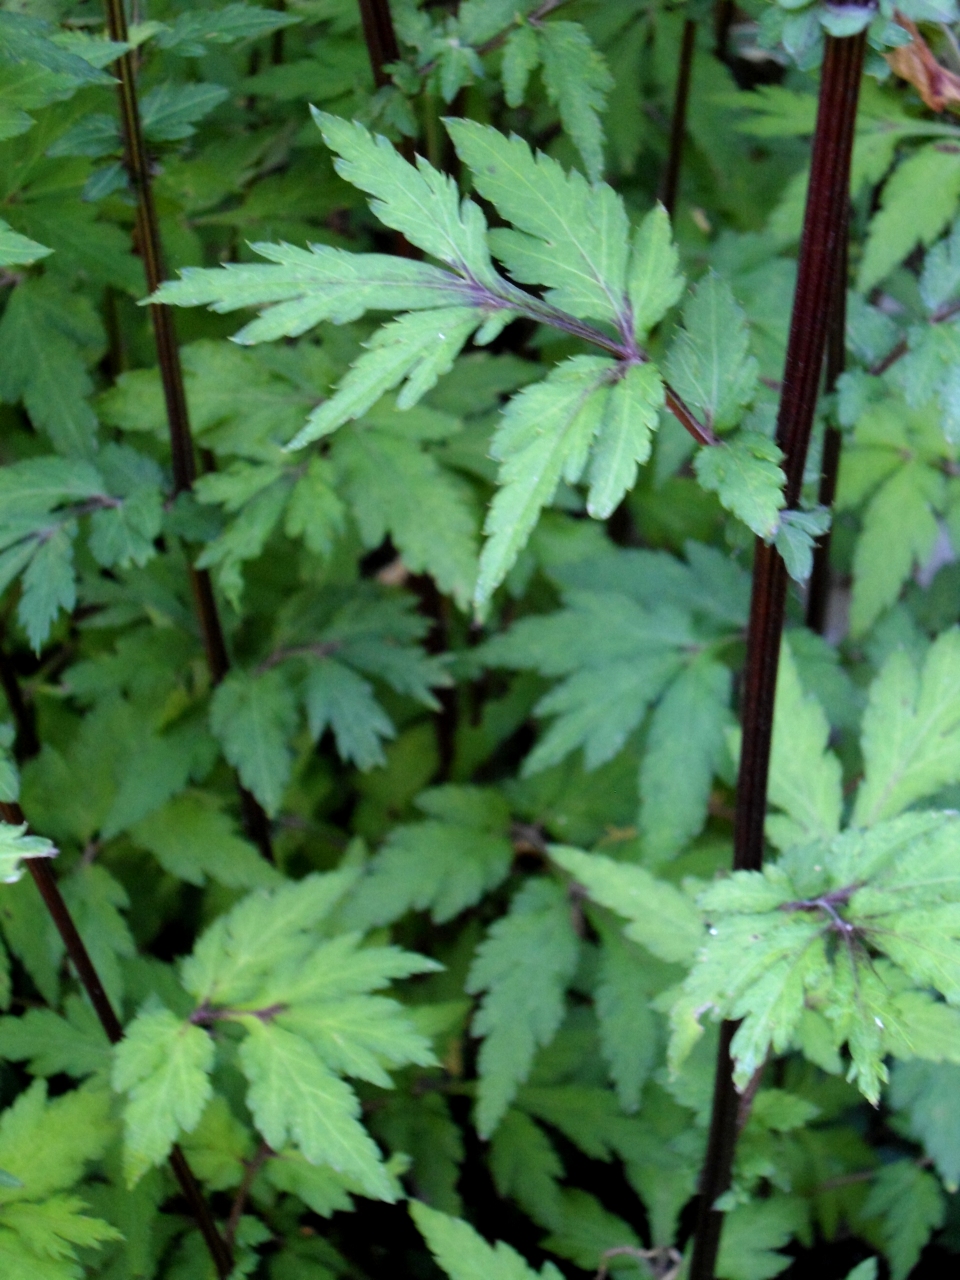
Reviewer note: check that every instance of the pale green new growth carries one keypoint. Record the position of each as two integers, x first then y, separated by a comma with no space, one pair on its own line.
624,439
15,845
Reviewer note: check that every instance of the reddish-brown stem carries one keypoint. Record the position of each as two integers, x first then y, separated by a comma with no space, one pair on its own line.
818,591
678,123
823,227
46,883
381,38
171,374
251,1168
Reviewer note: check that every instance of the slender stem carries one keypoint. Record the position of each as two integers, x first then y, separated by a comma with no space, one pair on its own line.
823,226
678,124
251,1168
381,38
46,883
818,592
171,374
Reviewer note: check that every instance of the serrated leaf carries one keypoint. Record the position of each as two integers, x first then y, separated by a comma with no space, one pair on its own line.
545,434
420,202
526,1168
684,747
464,1255
569,235
192,839
709,362
746,476
910,1203
164,1065
74,1044
293,1095
15,845
337,697
624,439
628,1032
654,281
911,731
521,56
753,1234
523,966
188,34
253,717
928,1094
577,82
662,919
917,202
48,585
18,250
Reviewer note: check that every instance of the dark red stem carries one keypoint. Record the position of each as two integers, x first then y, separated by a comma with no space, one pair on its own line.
171,374
823,227
46,882
818,592
678,124
381,38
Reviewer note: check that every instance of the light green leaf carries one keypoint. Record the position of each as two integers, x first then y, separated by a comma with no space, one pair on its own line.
526,1168
569,235
577,82
75,1044
521,56
662,919
523,966
15,845
17,250
193,839
624,439
745,474
654,282
628,1031
752,1234
911,731
294,1096
48,585
545,434
709,362
164,1065
464,1255
917,202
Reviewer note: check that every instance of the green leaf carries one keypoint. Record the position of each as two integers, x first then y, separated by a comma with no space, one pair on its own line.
253,717
911,731
624,439
194,840
169,111
25,39
577,82
443,867
163,1065
95,900
752,1235
684,747
662,919
918,201
46,1145
569,235
523,966
464,1255
899,531
191,31
75,1044
15,845
795,539
17,250
805,777
927,1092
709,362
747,477
526,1168
589,1231
910,1203
654,281
418,348
307,286
292,1095
545,434
628,1032
420,202
42,361
48,585
521,56
337,697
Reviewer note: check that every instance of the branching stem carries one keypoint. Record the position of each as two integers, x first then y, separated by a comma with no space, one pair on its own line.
823,227
46,882
171,376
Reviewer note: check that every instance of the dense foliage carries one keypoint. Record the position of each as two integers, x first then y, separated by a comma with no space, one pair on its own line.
415,902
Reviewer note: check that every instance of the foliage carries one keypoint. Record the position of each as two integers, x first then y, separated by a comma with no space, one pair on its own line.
480,479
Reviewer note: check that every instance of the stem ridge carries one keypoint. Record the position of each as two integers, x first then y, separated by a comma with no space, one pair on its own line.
824,229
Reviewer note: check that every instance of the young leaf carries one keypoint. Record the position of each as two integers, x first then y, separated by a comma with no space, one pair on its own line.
164,1065
15,845
523,966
